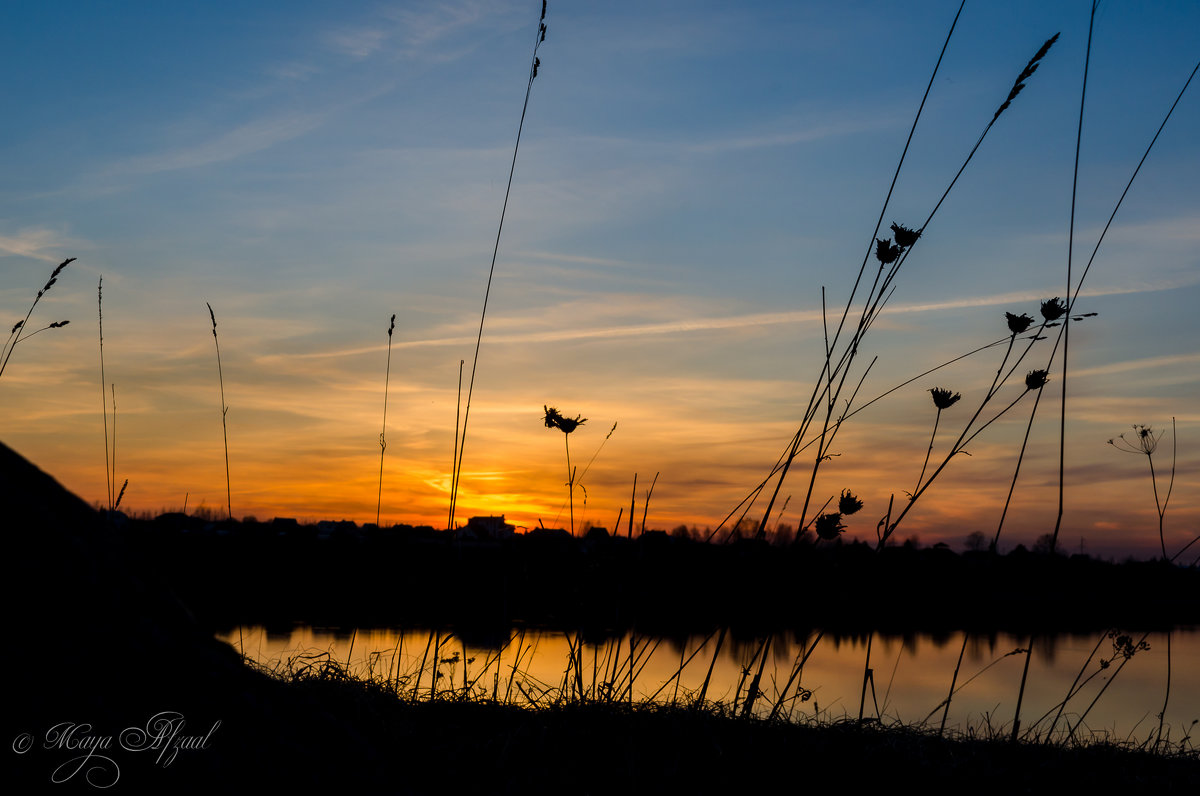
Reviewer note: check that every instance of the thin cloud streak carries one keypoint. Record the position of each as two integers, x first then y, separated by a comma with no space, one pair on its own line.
815,133
37,243
711,324
244,140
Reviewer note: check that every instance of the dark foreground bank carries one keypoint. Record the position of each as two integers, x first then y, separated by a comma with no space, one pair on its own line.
113,684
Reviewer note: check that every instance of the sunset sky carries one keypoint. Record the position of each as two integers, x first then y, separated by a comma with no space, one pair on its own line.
690,175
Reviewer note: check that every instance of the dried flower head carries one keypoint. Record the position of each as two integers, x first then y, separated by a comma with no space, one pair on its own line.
1144,440
1018,323
1054,309
849,503
392,326
829,526
904,236
885,251
1036,379
943,398
566,425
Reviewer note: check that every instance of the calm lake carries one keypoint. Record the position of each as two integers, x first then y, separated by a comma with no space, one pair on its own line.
911,675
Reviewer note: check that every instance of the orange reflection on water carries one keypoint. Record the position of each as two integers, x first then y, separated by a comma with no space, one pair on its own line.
908,682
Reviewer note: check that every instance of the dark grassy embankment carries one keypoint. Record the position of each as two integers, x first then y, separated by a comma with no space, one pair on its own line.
104,644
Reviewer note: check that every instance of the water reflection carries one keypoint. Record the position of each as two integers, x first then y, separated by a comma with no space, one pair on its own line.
1117,688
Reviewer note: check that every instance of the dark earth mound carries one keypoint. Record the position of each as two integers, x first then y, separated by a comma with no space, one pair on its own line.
101,643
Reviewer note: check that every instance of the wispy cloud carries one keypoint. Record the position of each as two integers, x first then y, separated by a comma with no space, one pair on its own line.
804,135
700,324
1146,363
254,136
358,43
434,23
419,32
40,243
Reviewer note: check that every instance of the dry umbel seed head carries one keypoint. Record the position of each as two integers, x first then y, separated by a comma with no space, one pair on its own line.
1144,440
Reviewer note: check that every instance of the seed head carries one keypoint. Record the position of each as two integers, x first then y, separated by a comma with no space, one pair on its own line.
905,237
1144,440
943,398
1018,323
885,251
1054,309
849,503
566,425
1036,379
829,526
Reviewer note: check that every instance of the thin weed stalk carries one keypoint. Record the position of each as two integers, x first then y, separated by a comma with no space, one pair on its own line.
632,505
18,333
868,677
793,678
1125,648
1146,443
1158,735
1078,286
534,64
114,444
646,505
747,502
224,411
891,257
1066,327
1078,683
383,433
108,474
953,681
1021,691
699,703
454,461
827,373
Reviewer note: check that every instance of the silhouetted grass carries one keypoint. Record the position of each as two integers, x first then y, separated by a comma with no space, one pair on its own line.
20,331
619,746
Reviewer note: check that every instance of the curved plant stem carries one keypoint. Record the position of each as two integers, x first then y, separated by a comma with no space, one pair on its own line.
932,437
953,681
1158,739
1066,321
1021,691
534,63
224,412
387,374
108,474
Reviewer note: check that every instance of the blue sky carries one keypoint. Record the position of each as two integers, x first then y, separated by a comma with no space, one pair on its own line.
690,175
